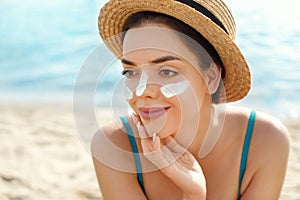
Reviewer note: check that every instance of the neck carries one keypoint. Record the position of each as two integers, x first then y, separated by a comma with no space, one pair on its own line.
203,126
194,128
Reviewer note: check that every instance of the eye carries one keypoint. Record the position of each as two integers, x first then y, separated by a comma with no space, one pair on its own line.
130,73
168,72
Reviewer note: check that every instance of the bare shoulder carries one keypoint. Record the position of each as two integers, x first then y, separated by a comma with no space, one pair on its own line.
268,155
271,128
267,129
110,146
270,136
113,133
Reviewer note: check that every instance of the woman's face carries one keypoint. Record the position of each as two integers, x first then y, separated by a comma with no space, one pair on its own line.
163,83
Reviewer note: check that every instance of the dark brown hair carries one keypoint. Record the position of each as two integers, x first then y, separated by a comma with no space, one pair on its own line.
140,18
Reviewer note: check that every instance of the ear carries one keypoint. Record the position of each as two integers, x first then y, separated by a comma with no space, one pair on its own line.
212,78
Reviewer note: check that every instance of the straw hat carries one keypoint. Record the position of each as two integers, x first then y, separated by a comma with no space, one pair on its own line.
211,18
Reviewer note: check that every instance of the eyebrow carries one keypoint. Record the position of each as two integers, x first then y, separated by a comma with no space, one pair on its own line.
156,61
127,62
164,59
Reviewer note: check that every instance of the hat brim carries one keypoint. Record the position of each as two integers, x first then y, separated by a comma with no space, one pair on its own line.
237,79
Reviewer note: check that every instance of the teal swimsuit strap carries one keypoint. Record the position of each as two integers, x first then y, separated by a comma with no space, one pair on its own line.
246,149
135,151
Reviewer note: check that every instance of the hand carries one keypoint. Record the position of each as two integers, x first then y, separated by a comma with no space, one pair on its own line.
175,162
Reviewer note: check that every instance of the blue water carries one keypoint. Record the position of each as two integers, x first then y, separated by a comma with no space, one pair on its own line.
43,45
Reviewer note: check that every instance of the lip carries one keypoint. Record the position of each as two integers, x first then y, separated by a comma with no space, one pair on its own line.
151,113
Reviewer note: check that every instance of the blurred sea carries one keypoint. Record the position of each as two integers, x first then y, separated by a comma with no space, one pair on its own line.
44,44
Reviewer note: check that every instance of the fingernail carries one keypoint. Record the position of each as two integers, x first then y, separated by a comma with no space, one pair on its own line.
138,124
153,137
133,117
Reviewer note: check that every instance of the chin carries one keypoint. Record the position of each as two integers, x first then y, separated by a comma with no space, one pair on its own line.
164,126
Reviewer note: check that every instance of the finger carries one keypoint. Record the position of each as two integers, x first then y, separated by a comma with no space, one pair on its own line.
174,146
154,153
182,154
142,131
188,161
159,155
156,143
135,118
168,155
151,149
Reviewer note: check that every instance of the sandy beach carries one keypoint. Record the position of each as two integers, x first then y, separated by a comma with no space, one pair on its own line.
42,156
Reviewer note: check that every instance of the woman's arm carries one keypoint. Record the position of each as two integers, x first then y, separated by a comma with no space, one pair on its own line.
269,155
117,185
111,165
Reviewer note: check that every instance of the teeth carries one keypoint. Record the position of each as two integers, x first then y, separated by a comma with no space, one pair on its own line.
153,137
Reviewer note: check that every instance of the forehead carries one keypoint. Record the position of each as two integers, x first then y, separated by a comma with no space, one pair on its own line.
152,41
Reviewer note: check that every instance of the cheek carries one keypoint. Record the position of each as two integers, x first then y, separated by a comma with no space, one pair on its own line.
200,89
176,116
128,93
172,123
189,104
132,103
129,89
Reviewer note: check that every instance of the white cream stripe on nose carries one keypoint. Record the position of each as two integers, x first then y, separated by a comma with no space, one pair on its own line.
142,84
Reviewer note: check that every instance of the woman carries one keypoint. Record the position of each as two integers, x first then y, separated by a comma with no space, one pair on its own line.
183,141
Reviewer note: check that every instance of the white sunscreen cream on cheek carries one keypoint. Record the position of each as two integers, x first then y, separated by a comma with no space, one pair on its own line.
173,89
142,84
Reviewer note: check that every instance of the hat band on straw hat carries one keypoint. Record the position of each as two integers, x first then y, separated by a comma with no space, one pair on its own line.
204,11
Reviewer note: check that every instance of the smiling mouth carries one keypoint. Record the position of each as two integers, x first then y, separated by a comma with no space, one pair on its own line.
152,113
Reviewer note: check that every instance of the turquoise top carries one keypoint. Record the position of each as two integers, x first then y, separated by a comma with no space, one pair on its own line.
243,159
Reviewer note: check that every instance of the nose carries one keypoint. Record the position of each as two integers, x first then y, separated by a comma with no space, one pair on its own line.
147,86
152,90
